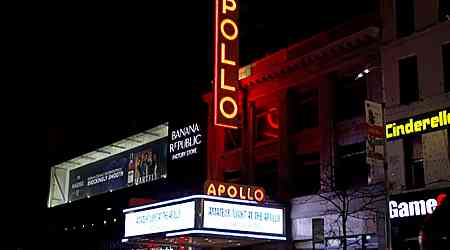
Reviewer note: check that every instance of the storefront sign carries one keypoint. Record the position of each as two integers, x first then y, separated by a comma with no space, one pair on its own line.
375,139
226,68
411,208
185,141
162,219
419,124
235,191
227,216
409,211
374,119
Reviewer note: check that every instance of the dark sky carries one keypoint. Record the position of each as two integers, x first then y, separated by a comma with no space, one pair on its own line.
104,71
116,69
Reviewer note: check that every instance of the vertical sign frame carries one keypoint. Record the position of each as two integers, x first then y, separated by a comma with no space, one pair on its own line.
226,64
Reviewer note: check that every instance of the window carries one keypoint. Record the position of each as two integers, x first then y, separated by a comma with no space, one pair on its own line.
448,143
266,176
414,172
266,123
446,65
305,110
351,169
408,79
404,10
232,176
232,138
444,10
350,97
306,174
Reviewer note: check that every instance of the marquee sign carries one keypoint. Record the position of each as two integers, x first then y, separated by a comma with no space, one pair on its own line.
205,215
161,219
223,216
235,191
419,124
226,68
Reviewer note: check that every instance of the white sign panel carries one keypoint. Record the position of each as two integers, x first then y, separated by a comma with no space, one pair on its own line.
374,114
228,216
162,219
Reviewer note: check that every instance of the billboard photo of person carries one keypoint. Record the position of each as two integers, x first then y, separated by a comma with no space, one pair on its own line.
155,168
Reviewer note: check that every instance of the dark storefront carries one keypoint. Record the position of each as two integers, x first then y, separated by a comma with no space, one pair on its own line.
413,211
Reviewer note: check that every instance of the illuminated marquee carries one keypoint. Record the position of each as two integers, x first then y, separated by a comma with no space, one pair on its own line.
423,123
226,68
235,191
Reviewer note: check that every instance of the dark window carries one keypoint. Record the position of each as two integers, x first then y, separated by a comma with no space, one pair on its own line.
266,123
404,10
350,97
351,168
414,172
266,176
305,110
232,176
408,79
446,65
448,143
444,10
306,174
232,138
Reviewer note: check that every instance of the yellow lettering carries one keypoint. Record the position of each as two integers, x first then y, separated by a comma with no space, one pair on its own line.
227,7
418,126
224,33
249,193
434,122
211,190
401,129
223,55
259,195
424,123
222,81
222,110
241,195
230,194
388,135
445,117
409,127
220,190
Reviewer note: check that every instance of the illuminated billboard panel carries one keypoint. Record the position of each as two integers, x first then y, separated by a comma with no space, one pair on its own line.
254,219
419,124
162,219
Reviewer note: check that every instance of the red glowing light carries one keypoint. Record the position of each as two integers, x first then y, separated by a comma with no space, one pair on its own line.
270,119
440,198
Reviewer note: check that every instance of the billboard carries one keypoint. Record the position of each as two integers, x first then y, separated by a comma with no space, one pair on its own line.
226,65
142,165
148,164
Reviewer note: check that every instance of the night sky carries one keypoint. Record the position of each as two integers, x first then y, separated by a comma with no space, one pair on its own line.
114,69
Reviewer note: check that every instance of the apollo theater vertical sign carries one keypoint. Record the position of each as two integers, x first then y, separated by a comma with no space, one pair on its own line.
226,64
